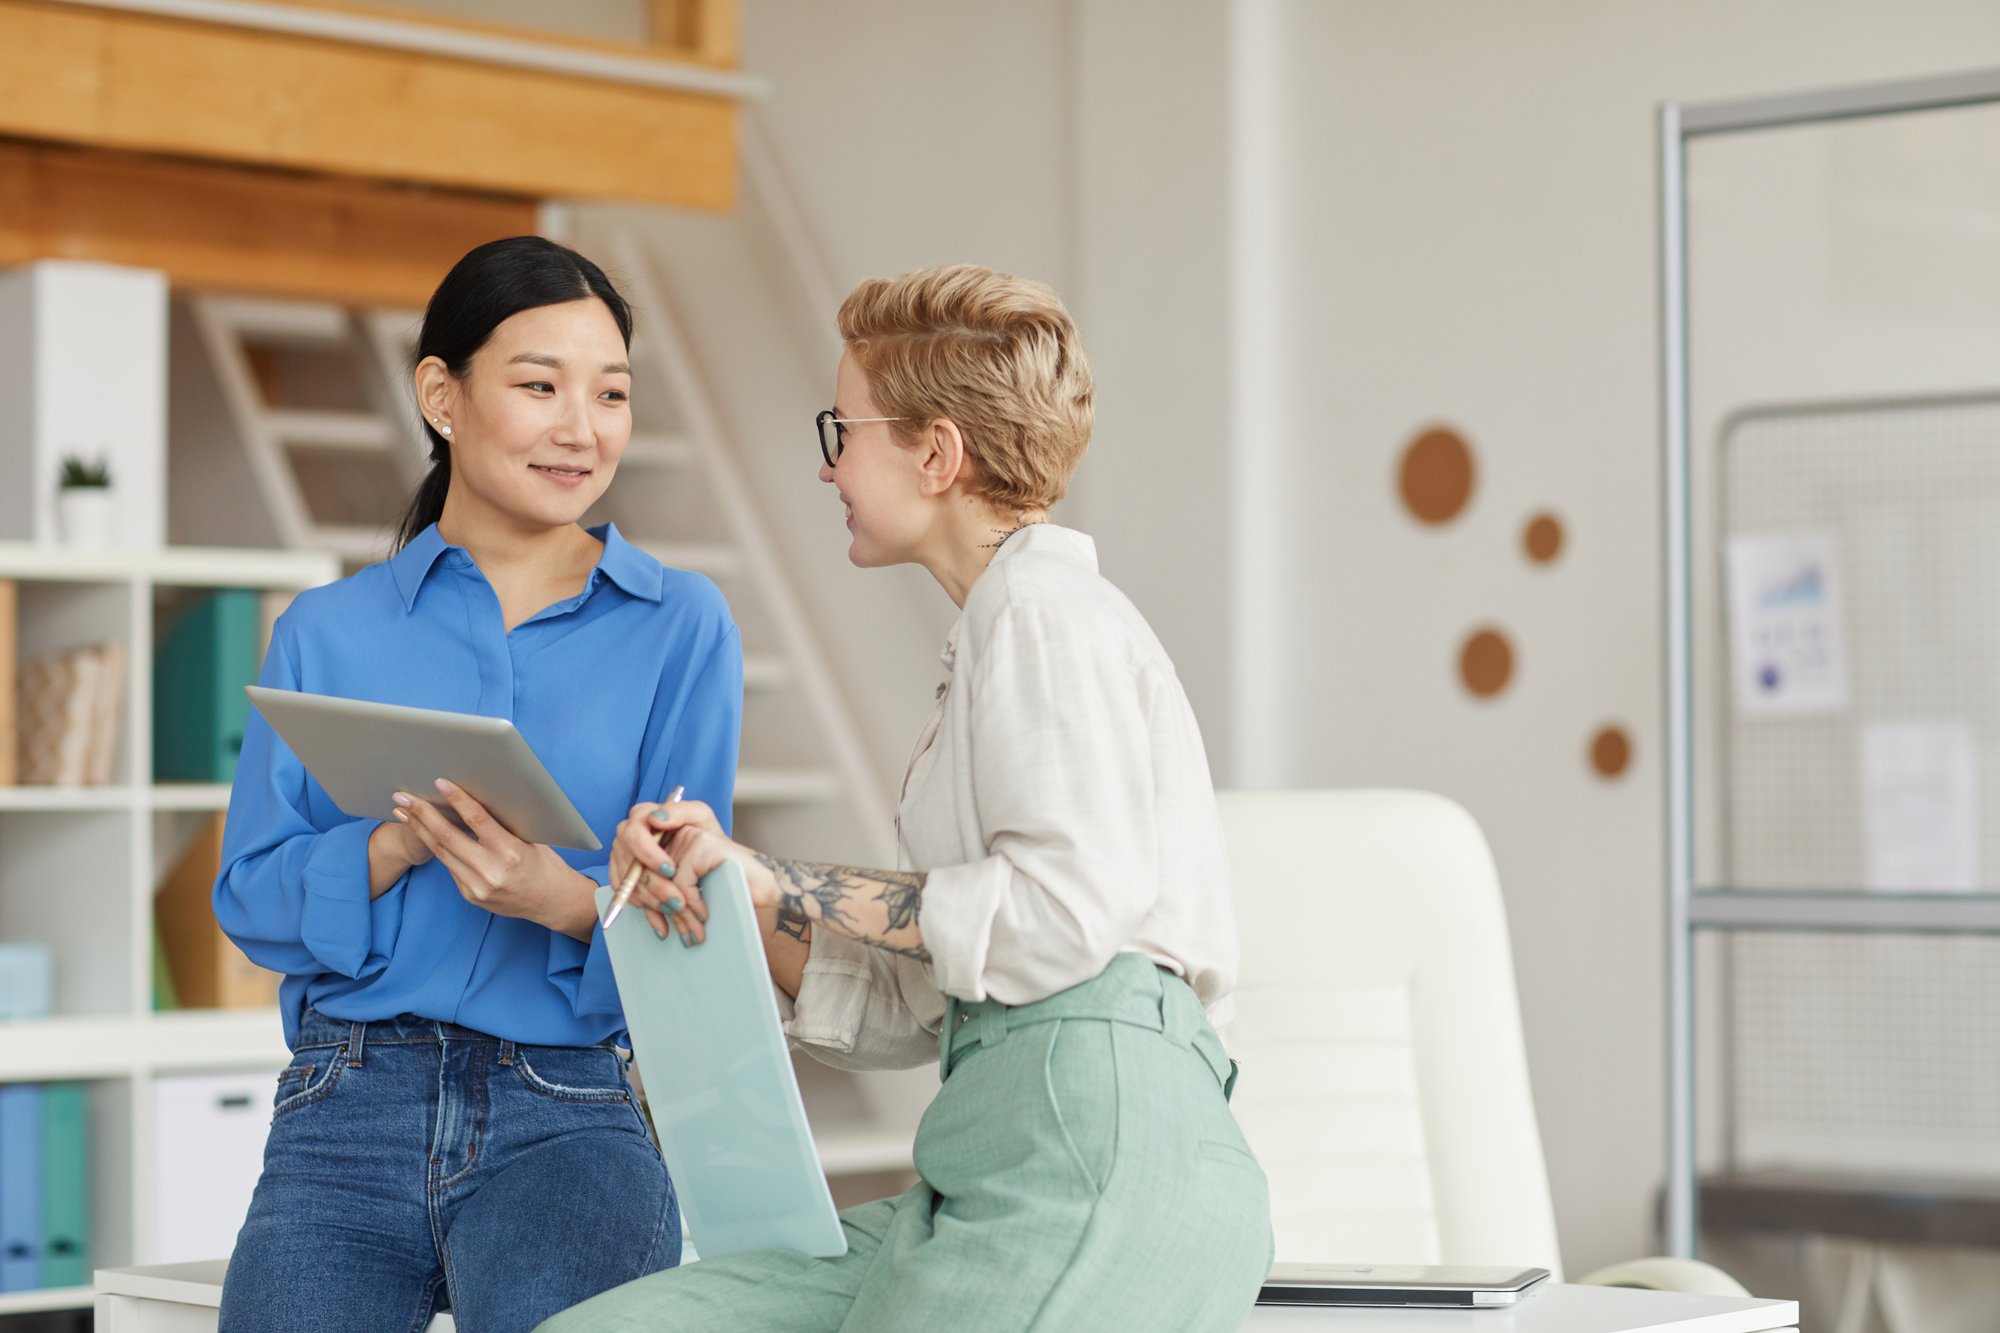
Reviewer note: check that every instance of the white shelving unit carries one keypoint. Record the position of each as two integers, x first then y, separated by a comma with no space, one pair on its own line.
78,866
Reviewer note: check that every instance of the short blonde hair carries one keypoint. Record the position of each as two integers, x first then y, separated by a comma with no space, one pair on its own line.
998,355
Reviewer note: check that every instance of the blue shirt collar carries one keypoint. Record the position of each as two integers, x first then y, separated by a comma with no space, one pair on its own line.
627,566
623,563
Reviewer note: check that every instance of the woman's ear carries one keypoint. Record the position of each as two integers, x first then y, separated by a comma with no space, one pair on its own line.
943,457
436,392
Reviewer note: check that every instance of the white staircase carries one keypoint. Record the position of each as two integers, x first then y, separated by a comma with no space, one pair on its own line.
257,350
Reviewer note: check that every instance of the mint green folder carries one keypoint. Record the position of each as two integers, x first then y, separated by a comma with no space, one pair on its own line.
719,1081
66,1185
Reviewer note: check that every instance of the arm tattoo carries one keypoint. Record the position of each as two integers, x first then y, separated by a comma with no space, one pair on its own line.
877,907
795,925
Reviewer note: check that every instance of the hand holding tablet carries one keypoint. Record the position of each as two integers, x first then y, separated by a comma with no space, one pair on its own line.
362,753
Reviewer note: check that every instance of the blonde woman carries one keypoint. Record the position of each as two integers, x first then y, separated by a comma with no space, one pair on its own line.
1060,935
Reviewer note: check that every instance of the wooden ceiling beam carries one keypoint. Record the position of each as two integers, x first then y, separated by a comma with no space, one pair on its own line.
222,228
129,81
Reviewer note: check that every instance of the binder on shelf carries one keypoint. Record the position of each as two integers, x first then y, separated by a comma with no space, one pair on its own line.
10,640
66,1258
207,969
105,711
199,708
20,1187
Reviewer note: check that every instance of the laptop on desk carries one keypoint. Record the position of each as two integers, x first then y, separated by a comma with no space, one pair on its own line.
1449,1286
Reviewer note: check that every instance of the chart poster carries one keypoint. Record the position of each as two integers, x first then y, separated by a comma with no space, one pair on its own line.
1787,650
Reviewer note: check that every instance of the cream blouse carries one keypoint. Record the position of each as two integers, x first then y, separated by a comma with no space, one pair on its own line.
1059,800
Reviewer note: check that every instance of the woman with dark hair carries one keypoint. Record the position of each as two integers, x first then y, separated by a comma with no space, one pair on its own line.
456,1130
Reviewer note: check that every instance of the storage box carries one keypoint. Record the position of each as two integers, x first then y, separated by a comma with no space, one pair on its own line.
27,981
208,1149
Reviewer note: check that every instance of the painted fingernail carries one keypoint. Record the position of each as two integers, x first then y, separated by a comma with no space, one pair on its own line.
666,870
445,787
659,817
403,798
674,904
687,940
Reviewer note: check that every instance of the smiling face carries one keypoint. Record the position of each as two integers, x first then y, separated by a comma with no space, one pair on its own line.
879,480
540,420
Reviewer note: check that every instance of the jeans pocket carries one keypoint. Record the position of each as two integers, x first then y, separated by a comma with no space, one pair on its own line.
580,1074
310,1077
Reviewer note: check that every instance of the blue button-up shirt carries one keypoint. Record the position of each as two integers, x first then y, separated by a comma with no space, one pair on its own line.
623,691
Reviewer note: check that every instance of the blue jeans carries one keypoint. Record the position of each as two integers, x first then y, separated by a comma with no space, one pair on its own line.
416,1166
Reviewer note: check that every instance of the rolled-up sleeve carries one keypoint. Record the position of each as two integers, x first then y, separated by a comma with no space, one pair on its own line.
1061,772
295,896
861,1008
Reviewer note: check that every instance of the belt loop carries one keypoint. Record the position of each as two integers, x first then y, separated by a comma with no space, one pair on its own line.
1178,1009
357,1044
507,1049
987,1024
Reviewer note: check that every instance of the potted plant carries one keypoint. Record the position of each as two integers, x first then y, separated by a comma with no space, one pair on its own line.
83,503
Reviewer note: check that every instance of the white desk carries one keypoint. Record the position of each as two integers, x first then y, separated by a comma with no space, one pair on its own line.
171,1298
184,1298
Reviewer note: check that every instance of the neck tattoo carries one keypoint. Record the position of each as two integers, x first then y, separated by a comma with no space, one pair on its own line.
1004,533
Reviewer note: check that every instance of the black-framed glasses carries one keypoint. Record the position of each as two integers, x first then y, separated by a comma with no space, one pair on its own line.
832,430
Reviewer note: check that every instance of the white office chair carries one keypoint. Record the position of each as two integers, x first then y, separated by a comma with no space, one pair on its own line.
1385,1083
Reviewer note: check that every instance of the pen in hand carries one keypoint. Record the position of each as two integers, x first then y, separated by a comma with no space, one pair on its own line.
630,883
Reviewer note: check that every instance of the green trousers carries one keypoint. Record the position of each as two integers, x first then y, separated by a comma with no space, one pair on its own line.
1080,1170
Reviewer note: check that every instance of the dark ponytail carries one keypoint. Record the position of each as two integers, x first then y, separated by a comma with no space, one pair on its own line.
492,283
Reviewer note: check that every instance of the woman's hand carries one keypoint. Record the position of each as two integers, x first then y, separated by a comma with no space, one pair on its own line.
394,849
496,870
669,888
641,840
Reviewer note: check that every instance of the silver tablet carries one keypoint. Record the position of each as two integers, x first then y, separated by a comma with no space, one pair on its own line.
1448,1285
363,753
719,1081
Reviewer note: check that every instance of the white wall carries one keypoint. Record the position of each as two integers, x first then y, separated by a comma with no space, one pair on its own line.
1152,297
922,133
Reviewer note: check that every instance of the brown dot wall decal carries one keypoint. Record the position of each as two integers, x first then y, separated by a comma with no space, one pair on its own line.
1542,539
1436,476
1611,752
1486,663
